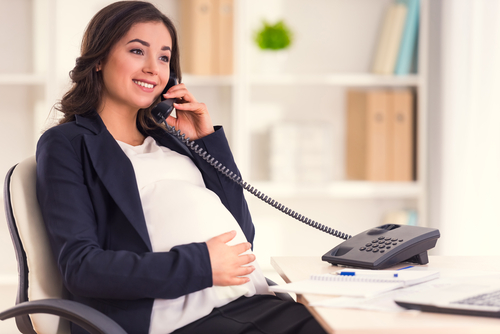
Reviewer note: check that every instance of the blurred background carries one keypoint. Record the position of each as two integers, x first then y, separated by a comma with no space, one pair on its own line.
432,67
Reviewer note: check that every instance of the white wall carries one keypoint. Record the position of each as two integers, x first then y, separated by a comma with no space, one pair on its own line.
467,160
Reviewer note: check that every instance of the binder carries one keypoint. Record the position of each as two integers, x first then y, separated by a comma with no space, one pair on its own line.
356,135
401,136
367,135
207,36
377,110
223,37
197,30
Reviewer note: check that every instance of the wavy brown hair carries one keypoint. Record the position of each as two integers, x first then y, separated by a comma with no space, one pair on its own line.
105,29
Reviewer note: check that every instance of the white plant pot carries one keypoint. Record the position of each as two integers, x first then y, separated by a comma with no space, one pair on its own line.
272,62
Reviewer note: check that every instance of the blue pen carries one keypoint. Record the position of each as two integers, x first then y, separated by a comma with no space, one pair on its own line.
373,274
405,268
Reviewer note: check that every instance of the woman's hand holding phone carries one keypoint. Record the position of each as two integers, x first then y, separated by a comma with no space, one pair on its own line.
192,117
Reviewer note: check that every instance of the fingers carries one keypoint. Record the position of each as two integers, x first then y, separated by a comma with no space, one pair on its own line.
226,237
180,92
190,106
229,263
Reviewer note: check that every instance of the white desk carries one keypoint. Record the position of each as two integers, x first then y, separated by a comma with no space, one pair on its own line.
351,321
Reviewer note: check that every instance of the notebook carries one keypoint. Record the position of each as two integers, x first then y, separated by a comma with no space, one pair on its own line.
357,282
479,296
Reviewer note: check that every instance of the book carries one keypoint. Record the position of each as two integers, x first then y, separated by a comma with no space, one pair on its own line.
383,40
409,41
367,135
401,141
358,282
389,60
196,36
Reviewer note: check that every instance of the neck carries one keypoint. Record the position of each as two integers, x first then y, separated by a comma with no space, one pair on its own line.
122,126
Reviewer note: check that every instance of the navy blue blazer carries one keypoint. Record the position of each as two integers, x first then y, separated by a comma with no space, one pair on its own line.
90,203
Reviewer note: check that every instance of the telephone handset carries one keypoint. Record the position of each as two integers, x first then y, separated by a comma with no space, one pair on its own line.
408,243
166,106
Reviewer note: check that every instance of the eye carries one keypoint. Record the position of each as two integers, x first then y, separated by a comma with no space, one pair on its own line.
137,51
165,59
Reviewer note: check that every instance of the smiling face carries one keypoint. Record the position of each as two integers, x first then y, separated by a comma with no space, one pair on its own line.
137,68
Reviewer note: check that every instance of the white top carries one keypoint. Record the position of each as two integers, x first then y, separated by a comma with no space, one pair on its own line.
179,209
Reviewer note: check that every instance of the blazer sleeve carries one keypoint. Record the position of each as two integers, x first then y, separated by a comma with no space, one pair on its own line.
87,268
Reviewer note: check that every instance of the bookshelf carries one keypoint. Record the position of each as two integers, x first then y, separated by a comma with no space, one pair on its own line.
335,45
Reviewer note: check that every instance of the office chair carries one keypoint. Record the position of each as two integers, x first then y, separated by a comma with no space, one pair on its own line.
41,304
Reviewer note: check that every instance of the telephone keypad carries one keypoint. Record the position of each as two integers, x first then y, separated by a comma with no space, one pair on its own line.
380,245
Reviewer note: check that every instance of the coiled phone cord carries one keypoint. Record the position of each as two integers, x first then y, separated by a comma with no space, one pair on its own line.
238,180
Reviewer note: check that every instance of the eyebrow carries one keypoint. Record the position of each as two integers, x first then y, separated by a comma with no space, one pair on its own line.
163,48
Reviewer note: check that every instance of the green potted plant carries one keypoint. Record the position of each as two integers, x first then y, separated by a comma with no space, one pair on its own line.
273,40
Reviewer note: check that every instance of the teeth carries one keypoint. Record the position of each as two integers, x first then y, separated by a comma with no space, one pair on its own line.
143,84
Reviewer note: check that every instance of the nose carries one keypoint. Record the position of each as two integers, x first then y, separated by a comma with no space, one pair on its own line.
151,66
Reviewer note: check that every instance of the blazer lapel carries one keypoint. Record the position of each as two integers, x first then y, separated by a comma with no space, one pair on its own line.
116,173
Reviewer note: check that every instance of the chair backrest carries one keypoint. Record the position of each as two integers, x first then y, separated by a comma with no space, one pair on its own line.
39,277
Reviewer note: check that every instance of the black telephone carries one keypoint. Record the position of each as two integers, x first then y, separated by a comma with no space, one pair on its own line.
377,248
384,246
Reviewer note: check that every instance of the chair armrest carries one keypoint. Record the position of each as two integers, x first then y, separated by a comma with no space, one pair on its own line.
84,316
280,295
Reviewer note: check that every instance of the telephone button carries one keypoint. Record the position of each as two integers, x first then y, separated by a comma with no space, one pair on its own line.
388,242
381,242
394,243
388,247
375,246
381,238
400,240
368,244
374,241
375,250
362,248
382,250
394,239
369,249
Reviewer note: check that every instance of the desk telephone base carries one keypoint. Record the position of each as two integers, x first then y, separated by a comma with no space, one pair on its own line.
385,246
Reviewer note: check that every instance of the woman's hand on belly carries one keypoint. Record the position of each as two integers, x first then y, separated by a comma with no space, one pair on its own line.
227,262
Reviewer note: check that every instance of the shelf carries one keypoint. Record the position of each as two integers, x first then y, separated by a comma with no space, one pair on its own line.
341,189
344,79
22,79
208,80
